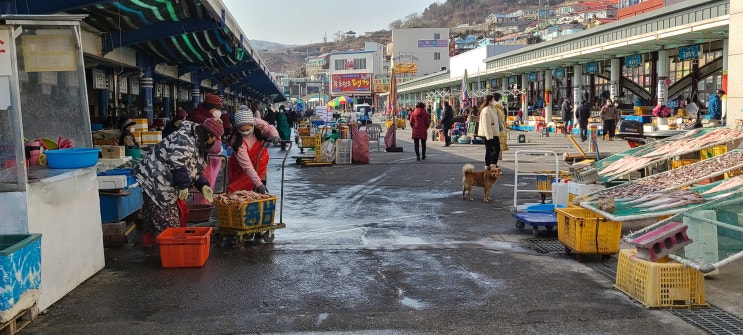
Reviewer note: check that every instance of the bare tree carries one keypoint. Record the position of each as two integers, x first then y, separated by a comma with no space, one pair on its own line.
397,24
338,35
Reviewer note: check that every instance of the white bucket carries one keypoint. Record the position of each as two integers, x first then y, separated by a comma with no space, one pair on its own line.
560,192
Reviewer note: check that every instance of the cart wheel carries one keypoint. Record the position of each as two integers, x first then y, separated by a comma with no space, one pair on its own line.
549,227
268,236
520,225
535,232
239,241
249,237
568,251
580,257
605,258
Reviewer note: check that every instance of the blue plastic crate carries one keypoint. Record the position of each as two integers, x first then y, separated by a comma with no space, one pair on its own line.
20,261
643,119
115,208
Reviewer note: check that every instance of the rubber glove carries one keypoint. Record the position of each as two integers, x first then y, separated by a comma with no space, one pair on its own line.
261,189
183,194
208,193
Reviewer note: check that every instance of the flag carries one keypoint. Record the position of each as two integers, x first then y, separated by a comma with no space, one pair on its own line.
390,139
465,99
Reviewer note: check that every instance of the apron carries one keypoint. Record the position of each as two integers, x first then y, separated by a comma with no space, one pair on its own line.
238,179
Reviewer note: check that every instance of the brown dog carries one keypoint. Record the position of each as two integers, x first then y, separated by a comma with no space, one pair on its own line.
484,179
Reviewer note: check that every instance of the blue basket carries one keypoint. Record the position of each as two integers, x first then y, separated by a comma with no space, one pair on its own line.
543,208
74,158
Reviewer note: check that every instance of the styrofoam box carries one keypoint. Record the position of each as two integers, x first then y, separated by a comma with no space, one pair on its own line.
110,164
583,189
111,182
648,129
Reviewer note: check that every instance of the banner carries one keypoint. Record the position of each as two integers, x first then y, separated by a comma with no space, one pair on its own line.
351,82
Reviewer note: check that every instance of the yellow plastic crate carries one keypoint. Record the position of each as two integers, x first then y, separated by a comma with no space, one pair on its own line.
544,183
308,141
713,151
247,215
577,230
675,164
303,130
666,284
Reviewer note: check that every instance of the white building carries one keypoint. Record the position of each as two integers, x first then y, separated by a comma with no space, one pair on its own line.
427,48
351,73
474,60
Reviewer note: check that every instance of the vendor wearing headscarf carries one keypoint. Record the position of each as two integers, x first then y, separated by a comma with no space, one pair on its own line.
210,108
247,167
127,138
168,172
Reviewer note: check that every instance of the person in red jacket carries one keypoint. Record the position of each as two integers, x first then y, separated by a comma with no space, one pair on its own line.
419,123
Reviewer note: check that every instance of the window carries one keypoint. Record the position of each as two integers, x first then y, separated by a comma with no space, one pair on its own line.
340,64
360,63
437,36
436,56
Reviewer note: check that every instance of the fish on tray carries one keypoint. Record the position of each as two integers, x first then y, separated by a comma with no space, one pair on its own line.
726,185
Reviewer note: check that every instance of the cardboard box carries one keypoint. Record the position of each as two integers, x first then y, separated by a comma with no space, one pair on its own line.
112,151
114,228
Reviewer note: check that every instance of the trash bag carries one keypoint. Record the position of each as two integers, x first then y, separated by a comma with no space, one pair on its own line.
359,146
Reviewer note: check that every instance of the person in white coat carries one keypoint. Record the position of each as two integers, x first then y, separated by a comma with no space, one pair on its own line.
489,129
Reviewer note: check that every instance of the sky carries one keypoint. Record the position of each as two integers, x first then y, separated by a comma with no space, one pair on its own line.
306,21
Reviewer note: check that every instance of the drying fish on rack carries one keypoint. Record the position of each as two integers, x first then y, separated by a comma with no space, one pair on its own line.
624,165
725,185
670,203
672,179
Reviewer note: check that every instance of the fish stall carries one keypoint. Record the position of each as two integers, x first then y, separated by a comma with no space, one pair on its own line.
43,94
668,153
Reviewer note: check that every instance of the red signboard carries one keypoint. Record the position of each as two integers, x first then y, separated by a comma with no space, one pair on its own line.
351,82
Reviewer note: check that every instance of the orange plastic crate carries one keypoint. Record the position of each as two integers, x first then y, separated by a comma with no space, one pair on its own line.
186,247
577,229
247,215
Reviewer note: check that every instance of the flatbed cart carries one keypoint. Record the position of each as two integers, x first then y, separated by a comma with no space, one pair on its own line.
541,217
264,212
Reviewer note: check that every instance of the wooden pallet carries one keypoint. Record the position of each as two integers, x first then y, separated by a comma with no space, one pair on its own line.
19,321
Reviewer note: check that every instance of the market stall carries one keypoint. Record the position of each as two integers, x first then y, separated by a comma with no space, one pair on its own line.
43,95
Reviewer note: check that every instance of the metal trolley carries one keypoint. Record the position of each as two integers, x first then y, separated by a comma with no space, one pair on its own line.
235,228
544,218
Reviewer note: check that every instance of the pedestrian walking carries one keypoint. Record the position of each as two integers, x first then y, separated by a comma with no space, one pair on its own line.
489,129
610,116
583,113
447,120
419,123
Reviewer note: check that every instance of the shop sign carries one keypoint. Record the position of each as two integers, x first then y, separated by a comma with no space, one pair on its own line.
633,60
166,91
100,82
5,68
433,43
558,73
592,67
135,86
49,52
123,85
351,82
533,76
690,52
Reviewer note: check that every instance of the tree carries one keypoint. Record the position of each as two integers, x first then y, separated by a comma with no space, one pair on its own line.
397,24
338,35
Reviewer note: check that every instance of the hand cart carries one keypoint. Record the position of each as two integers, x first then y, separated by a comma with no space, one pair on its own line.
543,218
232,223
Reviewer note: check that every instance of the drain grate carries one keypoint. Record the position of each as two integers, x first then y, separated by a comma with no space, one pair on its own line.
713,320
545,245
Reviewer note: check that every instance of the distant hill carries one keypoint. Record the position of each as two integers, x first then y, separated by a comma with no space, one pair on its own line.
261,45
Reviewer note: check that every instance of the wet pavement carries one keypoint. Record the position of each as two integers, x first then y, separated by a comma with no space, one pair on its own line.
384,248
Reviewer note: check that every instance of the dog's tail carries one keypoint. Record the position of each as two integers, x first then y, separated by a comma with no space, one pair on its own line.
468,168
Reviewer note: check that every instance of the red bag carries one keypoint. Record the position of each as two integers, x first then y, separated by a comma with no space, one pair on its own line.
359,146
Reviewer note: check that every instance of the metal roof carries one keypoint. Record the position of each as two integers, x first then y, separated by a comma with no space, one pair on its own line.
197,36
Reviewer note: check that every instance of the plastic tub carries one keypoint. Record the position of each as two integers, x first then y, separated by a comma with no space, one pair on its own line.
543,208
73,158
199,213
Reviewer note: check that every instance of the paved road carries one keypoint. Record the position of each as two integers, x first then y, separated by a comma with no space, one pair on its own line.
384,248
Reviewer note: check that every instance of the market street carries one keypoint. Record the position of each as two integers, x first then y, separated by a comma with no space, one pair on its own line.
384,248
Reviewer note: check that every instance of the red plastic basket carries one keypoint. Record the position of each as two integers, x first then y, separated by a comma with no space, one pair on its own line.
186,247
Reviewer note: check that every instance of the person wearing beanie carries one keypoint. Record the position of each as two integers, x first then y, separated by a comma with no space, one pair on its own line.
175,122
170,170
210,108
127,139
247,167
